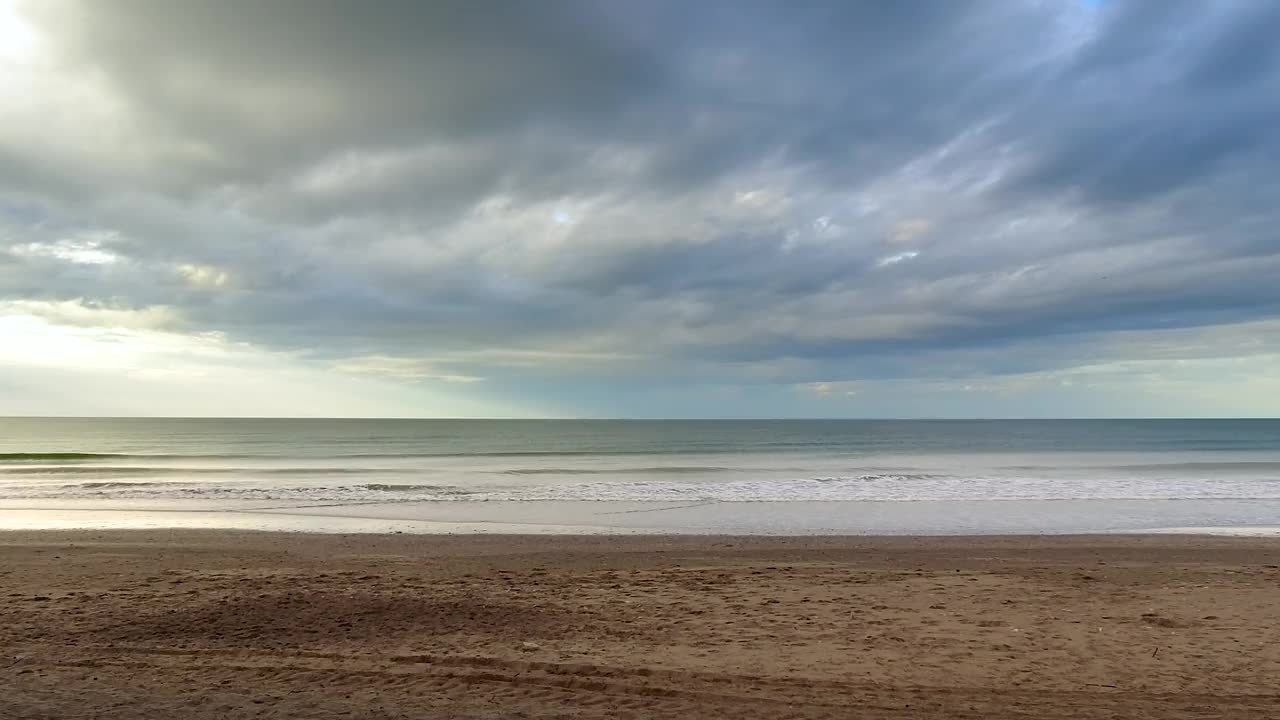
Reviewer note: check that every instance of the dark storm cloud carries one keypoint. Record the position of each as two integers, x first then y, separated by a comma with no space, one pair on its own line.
282,81
1164,97
833,184
701,89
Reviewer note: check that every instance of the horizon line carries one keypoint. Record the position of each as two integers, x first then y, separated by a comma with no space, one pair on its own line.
631,418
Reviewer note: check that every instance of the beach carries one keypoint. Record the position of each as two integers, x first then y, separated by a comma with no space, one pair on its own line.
215,623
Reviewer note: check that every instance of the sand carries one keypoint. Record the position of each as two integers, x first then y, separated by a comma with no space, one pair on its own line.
217,624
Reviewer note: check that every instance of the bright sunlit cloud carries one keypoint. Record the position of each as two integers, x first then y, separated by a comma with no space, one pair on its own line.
19,41
895,259
117,362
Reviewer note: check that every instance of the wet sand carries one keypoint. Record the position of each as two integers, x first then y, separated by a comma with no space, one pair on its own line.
218,624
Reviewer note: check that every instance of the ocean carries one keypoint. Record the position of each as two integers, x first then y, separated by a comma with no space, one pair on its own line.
766,476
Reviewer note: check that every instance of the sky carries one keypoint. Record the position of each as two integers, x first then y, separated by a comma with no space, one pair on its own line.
728,208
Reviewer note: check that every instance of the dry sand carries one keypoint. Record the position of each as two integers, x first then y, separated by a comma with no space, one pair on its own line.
207,624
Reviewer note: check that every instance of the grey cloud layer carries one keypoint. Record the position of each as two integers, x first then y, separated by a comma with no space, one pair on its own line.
824,187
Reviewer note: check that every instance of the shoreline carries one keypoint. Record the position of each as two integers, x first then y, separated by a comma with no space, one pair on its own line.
623,518
1161,538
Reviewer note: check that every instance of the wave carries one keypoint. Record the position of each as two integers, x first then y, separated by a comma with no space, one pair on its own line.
168,470
412,488
1198,466
656,470
109,470
881,477
543,453
1253,465
879,487
110,485
47,456
38,457
752,449
125,490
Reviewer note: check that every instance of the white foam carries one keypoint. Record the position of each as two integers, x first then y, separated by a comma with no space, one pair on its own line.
677,478
877,487
1249,531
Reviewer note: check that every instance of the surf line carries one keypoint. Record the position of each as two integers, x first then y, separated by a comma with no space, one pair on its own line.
661,509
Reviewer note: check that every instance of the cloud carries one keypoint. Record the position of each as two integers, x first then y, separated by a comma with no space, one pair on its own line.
203,275
907,231
820,389
895,259
76,313
82,251
647,194
63,360
831,390
411,369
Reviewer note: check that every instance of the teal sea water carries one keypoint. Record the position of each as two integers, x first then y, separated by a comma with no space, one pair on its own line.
732,476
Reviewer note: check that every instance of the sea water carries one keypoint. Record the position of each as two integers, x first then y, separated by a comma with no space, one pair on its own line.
767,476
